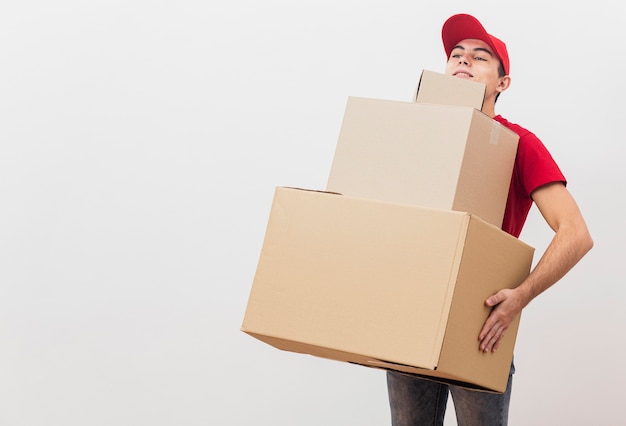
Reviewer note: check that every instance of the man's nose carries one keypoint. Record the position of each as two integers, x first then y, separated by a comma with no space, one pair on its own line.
463,60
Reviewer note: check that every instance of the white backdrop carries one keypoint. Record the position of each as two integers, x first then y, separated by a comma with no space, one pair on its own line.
140,145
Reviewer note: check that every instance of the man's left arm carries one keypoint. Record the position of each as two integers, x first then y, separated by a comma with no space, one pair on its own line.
570,243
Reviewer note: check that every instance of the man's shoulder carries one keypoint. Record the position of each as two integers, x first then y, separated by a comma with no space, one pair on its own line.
521,131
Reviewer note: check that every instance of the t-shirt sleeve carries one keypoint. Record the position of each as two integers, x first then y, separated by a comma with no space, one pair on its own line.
536,165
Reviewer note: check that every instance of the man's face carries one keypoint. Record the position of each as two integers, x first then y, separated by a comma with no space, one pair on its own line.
474,60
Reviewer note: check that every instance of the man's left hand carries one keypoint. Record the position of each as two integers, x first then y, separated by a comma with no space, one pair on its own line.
506,305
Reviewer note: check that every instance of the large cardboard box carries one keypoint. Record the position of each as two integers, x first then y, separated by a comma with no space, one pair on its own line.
438,156
384,285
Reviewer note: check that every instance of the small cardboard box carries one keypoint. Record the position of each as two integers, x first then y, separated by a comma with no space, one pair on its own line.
437,156
384,285
441,89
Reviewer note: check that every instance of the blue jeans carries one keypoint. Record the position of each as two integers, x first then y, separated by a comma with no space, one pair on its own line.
421,402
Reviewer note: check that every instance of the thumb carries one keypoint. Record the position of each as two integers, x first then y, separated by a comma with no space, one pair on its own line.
495,299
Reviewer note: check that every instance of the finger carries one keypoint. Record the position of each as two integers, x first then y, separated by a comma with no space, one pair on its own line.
495,299
492,340
487,342
491,343
496,345
492,300
490,327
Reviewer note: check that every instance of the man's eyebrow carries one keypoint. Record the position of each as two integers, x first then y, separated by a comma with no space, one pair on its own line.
482,49
477,49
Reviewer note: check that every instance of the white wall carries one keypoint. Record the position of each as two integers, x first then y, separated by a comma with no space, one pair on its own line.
140,144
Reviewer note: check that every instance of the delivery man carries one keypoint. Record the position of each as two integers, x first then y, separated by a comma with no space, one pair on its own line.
476,55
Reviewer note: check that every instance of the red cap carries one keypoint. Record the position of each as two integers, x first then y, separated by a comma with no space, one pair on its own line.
462,26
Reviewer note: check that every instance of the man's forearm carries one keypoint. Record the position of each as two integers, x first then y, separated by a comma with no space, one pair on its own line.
566,249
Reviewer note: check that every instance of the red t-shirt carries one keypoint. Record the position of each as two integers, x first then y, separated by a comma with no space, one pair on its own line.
534,167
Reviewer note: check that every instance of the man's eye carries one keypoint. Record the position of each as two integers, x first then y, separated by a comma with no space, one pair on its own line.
478,58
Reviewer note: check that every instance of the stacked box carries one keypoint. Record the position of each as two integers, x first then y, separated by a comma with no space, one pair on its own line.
380,277
441,89
439,156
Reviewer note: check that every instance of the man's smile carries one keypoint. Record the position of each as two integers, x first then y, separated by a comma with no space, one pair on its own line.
462,74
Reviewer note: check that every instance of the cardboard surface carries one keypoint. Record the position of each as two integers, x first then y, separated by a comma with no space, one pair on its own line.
384,285
441,89
436,156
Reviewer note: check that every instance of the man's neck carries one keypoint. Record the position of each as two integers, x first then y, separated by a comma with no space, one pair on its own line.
489,108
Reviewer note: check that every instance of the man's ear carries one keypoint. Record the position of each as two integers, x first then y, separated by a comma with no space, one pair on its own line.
504,83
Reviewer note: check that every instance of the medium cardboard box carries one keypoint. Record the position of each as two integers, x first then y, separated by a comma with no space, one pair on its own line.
384,285
441,89
437,156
